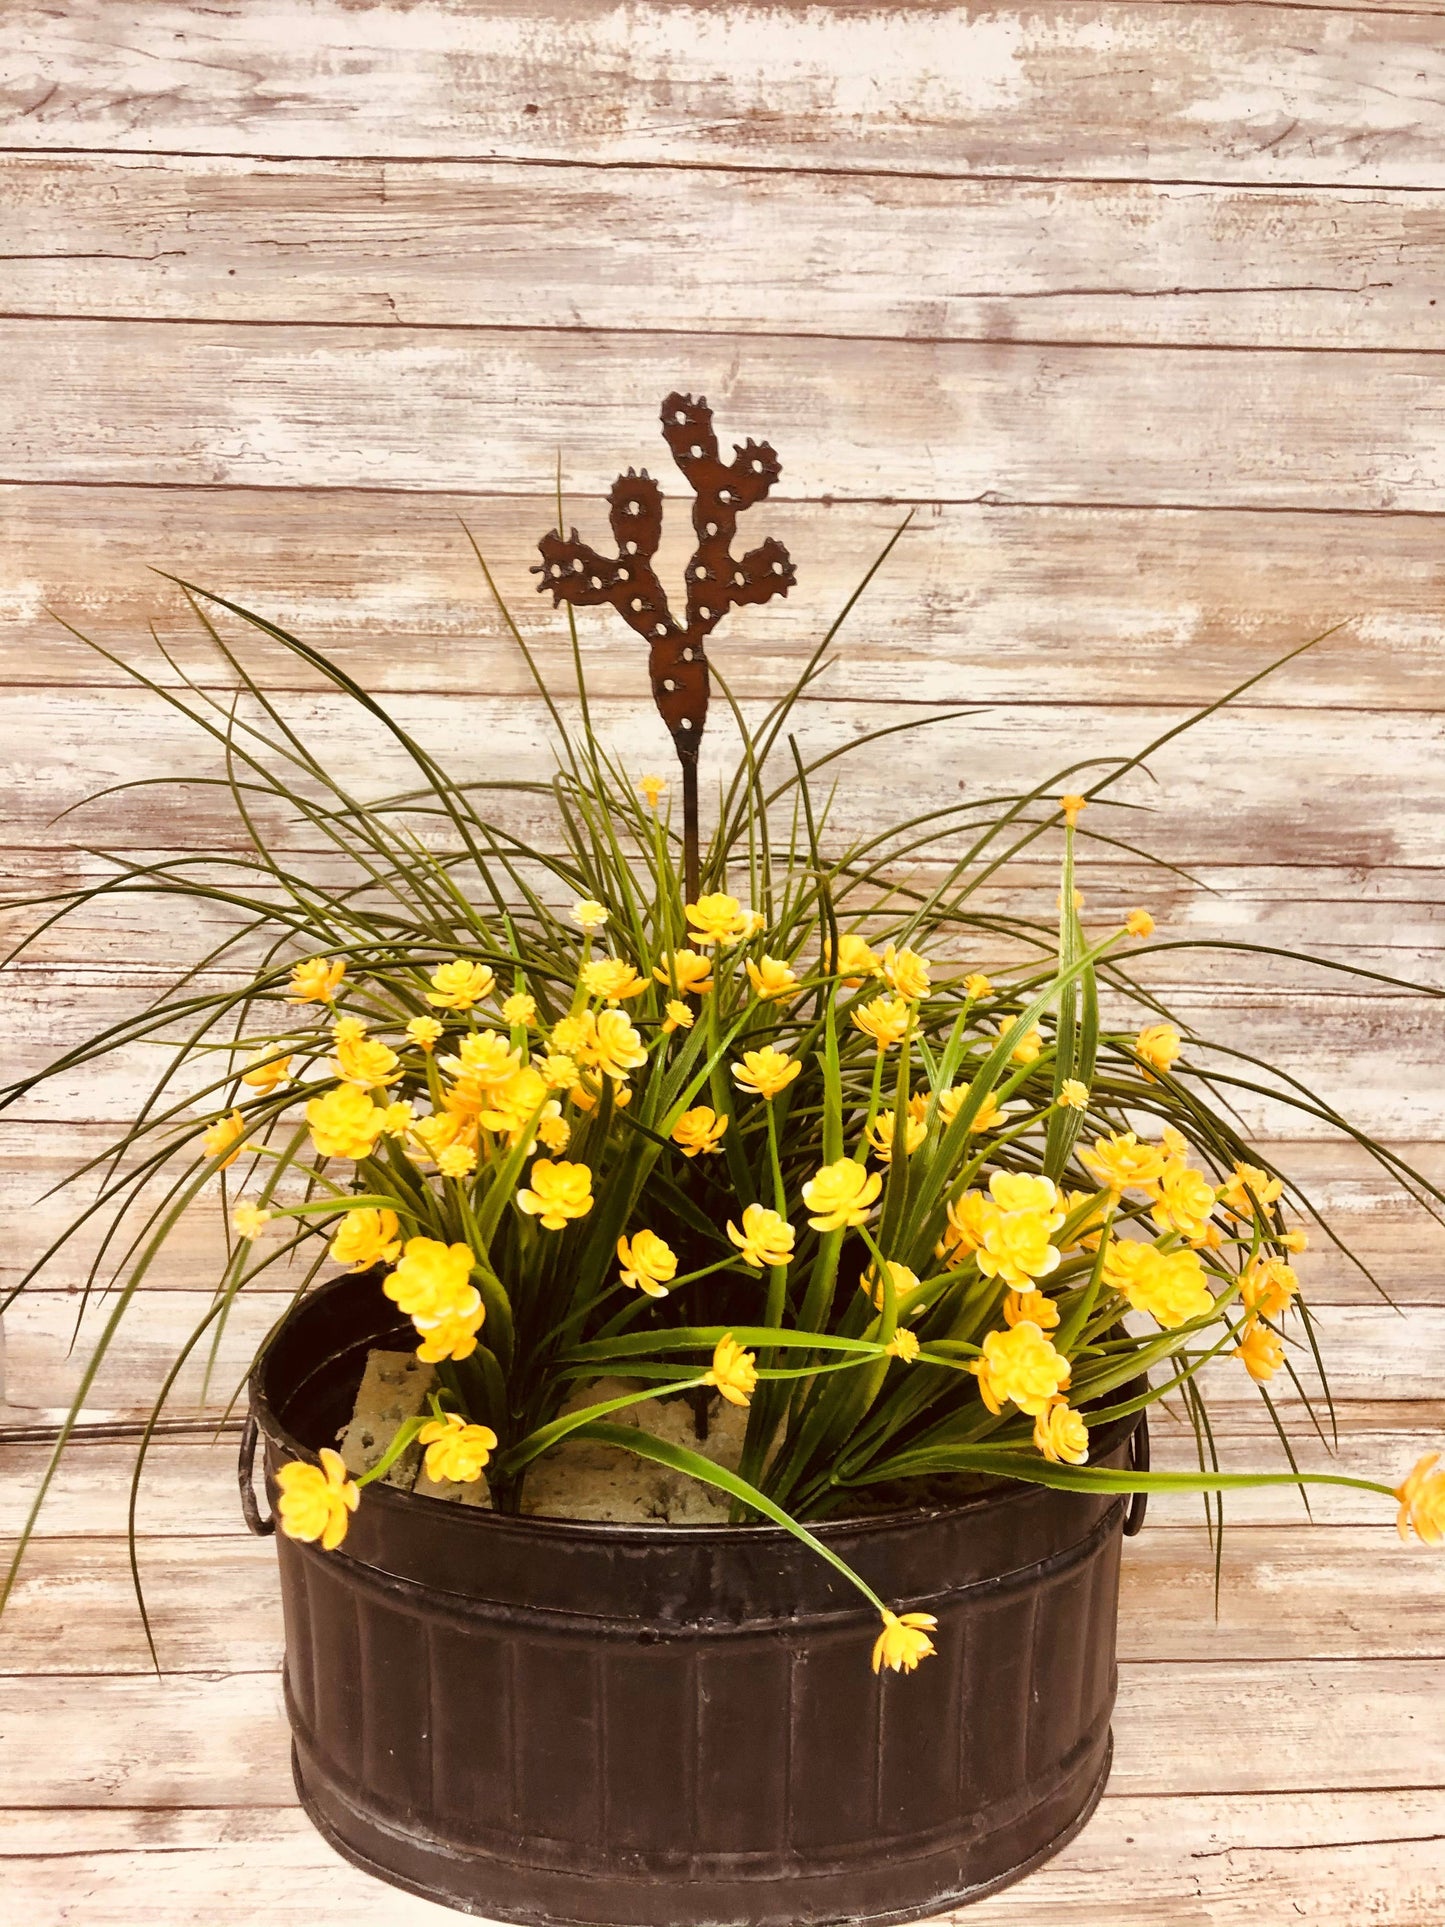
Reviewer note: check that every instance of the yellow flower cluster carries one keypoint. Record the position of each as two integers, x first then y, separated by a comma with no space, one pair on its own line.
316,1500
455,1450
1020,1364
766,1237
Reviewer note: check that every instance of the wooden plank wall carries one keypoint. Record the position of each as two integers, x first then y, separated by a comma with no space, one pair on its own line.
1135,304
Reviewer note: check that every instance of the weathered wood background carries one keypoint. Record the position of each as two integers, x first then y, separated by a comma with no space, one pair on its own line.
1135,305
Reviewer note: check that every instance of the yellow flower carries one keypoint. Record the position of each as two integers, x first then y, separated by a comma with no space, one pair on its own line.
1260,1352
976,986
1185,1200
435,1133
770,978
1016,1248
988,1117
586,1094
558,1192
907,972
1139,923
686,972
316,980
367,1237
766,1071
249,1220
365,1061
223,1135
571,1036
652,788
615,1047
433,1281
557,1072
1031,1305
1029,1047
1022,1365
1170,1286
841,1194
1061,1435
699,1130
880,1135
678,1017
902,1279
969,1217
453,1337
553,1129
344,1123
589,914
904,1345
733,1371
903,1641
1018,1191
1295,1241
456,1161
648,1262
1267,1286
1422,1502
263,1075
1246,1179
1158,1045
1073,1096
855,960
1122,1163
886,1020
613,979
424,1031
484,1065
717,919
455,1450
520,1010
765,1239
458,985
317,1500
1071,805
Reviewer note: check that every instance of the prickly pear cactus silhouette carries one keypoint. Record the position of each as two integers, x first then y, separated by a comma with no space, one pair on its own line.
715,579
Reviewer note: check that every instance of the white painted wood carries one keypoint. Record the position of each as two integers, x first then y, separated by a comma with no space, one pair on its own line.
468,244
1133,90
1057,606
1372,1351
292,378
214,1607
206,1740
1334,1858
307,407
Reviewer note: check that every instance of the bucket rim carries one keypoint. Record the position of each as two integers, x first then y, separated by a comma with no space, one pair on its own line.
996,1493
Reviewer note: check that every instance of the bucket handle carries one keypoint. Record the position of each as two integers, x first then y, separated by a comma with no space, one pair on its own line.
244,1466
1138,1462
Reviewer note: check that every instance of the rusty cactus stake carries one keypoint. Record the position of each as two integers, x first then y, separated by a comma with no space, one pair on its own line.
677,659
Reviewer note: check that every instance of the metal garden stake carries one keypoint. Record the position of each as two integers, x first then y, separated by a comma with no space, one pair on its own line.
677,658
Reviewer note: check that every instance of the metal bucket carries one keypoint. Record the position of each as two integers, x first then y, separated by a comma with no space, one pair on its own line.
670,1726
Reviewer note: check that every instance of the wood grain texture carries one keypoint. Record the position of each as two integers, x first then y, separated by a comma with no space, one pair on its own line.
985,603
1138,303
422,244
314,407
1185,1860
1373,1351
219,1613
222,1739
1305,785
1145,92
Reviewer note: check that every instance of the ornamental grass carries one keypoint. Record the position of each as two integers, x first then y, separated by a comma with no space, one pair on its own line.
780,1138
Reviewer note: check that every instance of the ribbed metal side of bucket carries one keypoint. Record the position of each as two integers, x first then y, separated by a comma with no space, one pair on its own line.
676,1727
